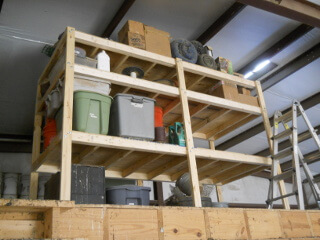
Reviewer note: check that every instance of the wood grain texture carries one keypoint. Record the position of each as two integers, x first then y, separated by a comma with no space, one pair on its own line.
183,224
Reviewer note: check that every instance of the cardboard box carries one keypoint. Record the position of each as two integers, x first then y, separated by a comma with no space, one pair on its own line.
130,26
157,41
134,40
250,100
225,90
245,91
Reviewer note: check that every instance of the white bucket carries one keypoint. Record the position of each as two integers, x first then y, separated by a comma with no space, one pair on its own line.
10,189
41,185
25,187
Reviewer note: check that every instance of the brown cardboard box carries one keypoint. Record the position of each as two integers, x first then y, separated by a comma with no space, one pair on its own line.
132,34
157,41
250,100
130,26
244,91
225,90
134,40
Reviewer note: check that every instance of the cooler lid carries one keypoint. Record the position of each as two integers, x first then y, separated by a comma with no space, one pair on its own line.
131,96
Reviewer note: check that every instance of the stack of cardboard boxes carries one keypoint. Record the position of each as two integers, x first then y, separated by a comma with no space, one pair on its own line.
148,38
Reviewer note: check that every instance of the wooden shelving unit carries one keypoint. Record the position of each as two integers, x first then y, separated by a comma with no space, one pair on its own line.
204,116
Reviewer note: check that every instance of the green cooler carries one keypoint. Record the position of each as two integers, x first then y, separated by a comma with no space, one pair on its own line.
91,113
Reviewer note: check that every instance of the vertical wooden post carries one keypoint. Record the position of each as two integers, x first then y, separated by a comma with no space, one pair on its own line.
66,148
36,144
267,127
219,193
189,138
218,187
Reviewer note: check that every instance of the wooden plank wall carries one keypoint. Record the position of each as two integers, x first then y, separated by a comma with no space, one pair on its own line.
152,223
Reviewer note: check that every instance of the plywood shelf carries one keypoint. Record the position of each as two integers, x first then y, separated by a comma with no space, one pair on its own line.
135,159
204,116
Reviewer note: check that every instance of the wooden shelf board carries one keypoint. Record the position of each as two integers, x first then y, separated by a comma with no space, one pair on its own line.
151,160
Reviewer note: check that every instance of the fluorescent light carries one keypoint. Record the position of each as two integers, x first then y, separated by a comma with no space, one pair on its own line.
261,65
249,74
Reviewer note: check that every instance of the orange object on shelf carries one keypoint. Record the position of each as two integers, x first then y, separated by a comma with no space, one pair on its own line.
158,116
49,131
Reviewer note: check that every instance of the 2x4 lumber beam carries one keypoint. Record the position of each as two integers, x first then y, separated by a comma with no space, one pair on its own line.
306,104
124,49
296,10
163,89
126,5
66,139
222,21
135,166
191,156
126,81
277,47
221,102
165,167
217,75
232,157
126,144
294,65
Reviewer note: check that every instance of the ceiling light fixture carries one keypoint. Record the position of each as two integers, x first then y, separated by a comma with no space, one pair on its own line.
257,68
249,74
261,65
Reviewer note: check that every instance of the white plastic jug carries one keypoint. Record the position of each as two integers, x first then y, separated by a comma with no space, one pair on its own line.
10,185
103,61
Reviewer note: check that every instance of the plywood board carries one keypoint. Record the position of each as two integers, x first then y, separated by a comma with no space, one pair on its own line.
131,224
263,224
183,224
23,229
314,218
295,224
77,223
227,224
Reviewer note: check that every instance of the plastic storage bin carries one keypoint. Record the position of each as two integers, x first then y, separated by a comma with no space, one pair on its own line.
132,117
91,113
128,195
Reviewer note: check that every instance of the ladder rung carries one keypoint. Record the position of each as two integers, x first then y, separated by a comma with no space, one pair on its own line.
283,175
305,136
283,134
282,196
312,158
285,117
283,154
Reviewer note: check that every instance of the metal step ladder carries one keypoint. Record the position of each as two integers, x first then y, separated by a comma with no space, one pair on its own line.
297,157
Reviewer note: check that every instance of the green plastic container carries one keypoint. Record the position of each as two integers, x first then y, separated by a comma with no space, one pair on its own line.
91,113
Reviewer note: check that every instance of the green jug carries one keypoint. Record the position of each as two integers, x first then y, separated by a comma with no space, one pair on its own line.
176,134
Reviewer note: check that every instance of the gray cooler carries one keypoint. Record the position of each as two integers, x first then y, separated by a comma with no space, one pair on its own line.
128,195
132,116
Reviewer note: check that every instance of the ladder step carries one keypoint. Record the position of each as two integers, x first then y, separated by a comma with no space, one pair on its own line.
285,117
312,158
283,154
283,134
283,175
283,196
305,136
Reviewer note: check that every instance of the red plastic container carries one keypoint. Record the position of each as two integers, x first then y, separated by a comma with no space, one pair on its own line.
158,116
49,131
